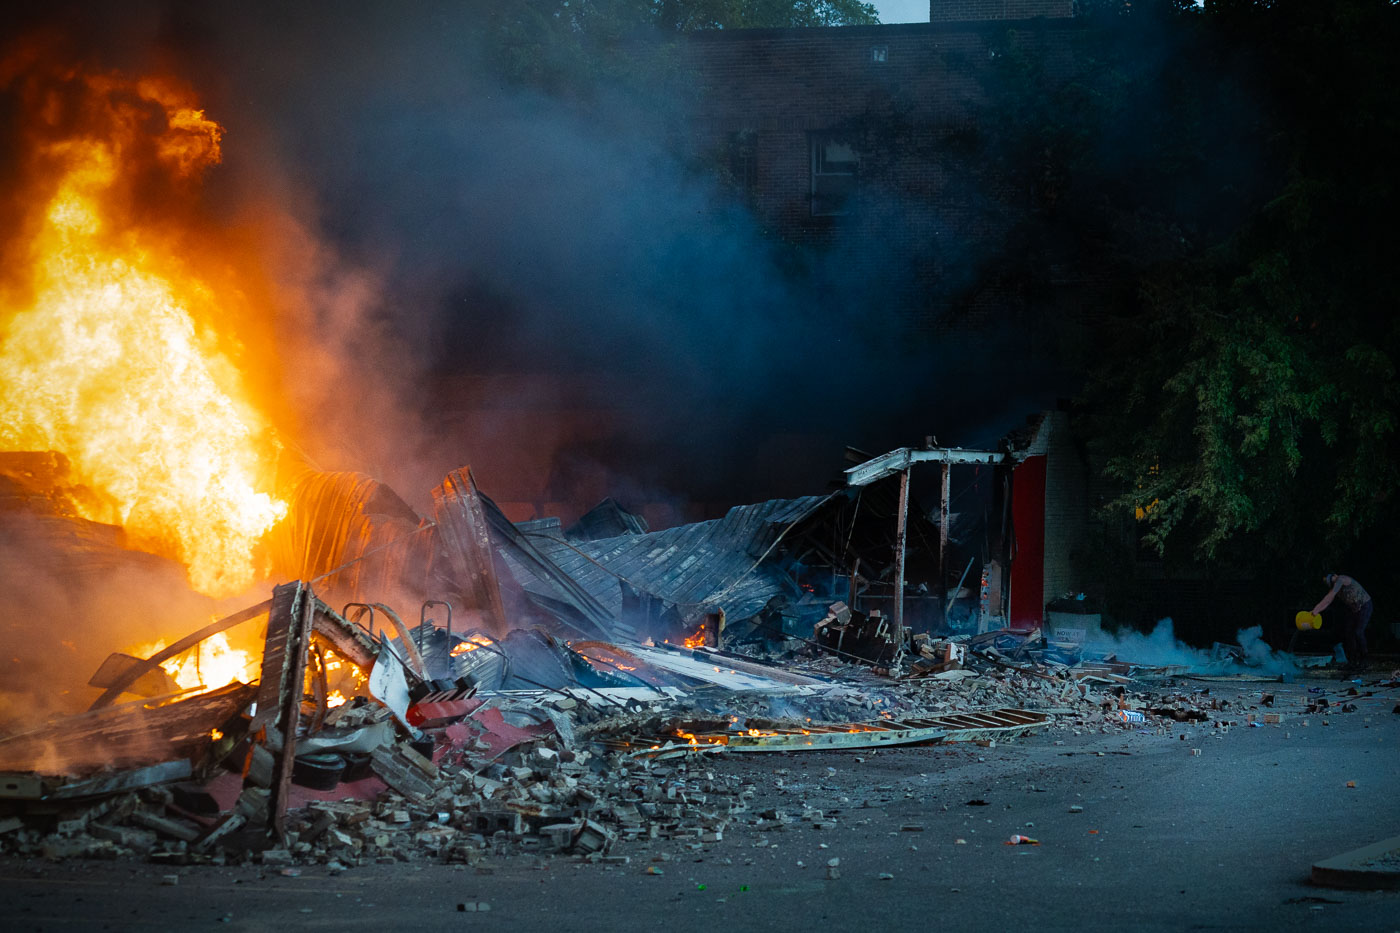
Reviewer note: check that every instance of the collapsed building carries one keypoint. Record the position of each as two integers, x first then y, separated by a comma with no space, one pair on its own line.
540,662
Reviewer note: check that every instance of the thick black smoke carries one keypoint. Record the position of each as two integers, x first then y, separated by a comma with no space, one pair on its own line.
512,233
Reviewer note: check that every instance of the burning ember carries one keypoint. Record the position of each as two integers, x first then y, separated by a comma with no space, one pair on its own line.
112,352
697,741
470,644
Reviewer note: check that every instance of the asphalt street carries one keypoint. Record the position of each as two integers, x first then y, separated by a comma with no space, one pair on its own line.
1137,830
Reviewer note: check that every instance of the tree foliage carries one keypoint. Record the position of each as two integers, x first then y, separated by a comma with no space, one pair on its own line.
562,46
1245,392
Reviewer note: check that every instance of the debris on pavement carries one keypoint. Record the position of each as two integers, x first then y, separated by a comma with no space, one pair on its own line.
572,711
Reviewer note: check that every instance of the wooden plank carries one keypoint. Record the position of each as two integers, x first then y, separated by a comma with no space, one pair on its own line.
346,638
861,735
103,784
285,654
130,735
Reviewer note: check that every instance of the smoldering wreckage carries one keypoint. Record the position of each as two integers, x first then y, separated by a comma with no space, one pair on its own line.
561,688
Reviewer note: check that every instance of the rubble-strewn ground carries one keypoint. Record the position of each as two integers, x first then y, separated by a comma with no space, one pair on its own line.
1136,831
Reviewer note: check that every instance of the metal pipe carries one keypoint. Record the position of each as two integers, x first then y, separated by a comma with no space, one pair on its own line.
423,619
951,599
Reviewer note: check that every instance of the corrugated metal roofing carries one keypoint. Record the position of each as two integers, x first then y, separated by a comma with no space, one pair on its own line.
717,564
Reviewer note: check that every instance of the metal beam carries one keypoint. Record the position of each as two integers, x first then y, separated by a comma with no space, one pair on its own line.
465,542
901,537
897,461
945,498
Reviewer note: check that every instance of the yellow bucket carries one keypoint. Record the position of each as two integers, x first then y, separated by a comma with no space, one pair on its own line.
1306,620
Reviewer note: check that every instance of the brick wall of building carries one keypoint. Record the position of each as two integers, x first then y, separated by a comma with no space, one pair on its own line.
958,11
911,99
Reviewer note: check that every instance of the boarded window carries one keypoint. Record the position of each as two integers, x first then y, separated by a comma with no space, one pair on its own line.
743,163
834,169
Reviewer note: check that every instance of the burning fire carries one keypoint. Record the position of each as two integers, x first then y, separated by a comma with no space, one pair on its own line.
111,352
470,644
212,663
335,699
697,640
696,741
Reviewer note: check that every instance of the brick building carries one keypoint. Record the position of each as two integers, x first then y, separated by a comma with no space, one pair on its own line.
869,144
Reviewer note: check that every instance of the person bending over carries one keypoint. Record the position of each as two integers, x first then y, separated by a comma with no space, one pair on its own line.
1356,606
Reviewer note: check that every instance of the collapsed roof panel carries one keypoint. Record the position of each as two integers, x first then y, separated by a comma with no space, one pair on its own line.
607,519
717,563
539,576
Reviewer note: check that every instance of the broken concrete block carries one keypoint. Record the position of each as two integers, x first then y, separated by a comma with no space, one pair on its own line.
322,822
55,849
139,839
252,805
591,836
402,772
175,829
559,835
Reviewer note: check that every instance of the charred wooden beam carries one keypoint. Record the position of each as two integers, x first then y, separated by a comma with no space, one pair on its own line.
346,638
285,654
126,736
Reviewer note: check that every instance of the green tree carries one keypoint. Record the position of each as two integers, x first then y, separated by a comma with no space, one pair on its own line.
567,46
1246,395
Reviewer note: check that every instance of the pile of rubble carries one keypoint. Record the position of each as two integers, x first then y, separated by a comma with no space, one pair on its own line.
488,759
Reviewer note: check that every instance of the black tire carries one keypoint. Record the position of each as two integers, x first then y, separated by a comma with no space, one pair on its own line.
319,771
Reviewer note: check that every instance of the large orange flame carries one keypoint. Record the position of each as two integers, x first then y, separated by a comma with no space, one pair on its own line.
111,351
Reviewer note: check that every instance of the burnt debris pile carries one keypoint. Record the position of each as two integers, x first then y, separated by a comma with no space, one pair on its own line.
554,691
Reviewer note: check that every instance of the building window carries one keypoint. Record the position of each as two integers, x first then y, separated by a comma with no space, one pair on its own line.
834,168
743,163
879,53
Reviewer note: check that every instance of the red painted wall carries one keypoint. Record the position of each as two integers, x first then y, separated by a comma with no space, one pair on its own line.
1028,560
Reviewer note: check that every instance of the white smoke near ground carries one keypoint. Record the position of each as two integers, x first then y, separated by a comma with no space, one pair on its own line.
1260,656
1161,648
